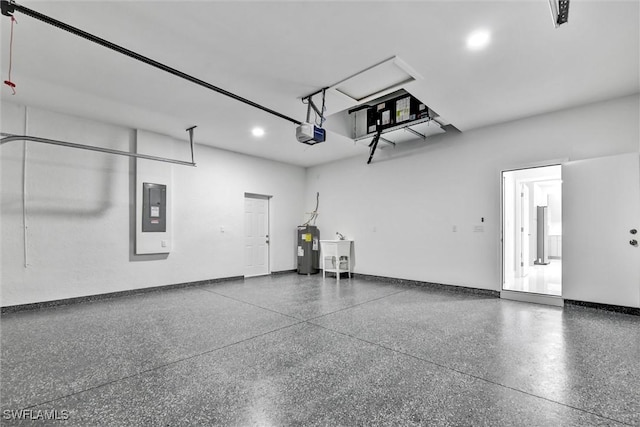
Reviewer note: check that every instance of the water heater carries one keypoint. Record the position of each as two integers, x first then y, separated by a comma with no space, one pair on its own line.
308,249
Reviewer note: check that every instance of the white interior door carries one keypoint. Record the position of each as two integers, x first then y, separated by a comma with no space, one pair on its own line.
601,205
508,229
524,230
256,226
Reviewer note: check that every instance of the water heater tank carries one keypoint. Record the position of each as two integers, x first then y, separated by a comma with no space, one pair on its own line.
308,249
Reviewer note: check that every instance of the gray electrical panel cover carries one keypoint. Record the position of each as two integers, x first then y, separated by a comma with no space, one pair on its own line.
154,207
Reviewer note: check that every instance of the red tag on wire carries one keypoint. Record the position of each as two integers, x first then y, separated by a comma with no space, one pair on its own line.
8,82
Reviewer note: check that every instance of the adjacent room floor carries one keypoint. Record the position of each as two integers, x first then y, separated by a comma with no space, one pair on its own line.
300,350
540,279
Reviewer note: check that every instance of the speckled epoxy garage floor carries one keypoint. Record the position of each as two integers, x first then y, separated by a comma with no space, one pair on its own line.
300,350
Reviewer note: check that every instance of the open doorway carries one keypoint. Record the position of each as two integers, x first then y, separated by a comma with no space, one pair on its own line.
532,230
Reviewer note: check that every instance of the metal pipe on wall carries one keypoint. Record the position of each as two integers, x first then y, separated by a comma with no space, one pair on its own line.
9,138
25,225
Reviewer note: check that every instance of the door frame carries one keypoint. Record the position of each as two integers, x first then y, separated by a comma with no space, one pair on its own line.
268,199
517,295
523,221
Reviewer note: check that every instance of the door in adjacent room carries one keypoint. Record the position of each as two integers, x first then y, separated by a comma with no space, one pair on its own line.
256,230
523,242
601,217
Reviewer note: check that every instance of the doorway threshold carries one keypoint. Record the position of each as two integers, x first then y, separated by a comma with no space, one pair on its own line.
553,300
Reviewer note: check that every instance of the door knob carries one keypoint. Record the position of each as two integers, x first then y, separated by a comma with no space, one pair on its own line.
633,231
633,242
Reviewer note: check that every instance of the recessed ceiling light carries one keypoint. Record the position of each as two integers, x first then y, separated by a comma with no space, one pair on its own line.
257,132
478,39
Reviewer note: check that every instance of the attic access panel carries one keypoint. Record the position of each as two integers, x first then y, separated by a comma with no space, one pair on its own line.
377,80
388,120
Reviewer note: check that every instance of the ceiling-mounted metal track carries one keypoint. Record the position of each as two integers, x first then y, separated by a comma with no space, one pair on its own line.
10,137
8,7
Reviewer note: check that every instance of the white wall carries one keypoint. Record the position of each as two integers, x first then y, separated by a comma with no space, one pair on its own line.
80,224
401,208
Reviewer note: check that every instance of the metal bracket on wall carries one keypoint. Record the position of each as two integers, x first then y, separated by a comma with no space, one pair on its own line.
190,130
310,104
415,132
388,141
10,137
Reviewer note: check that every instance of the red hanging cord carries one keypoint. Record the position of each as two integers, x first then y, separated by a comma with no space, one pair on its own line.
8,82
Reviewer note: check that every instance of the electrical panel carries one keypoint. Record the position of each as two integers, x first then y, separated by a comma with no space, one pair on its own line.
395,111
154,208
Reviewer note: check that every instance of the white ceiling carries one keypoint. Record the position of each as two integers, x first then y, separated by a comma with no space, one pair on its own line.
274,53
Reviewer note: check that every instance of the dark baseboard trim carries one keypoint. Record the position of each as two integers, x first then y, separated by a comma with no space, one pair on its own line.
491,293
110,295
607,307
634,311
275,273
430,285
